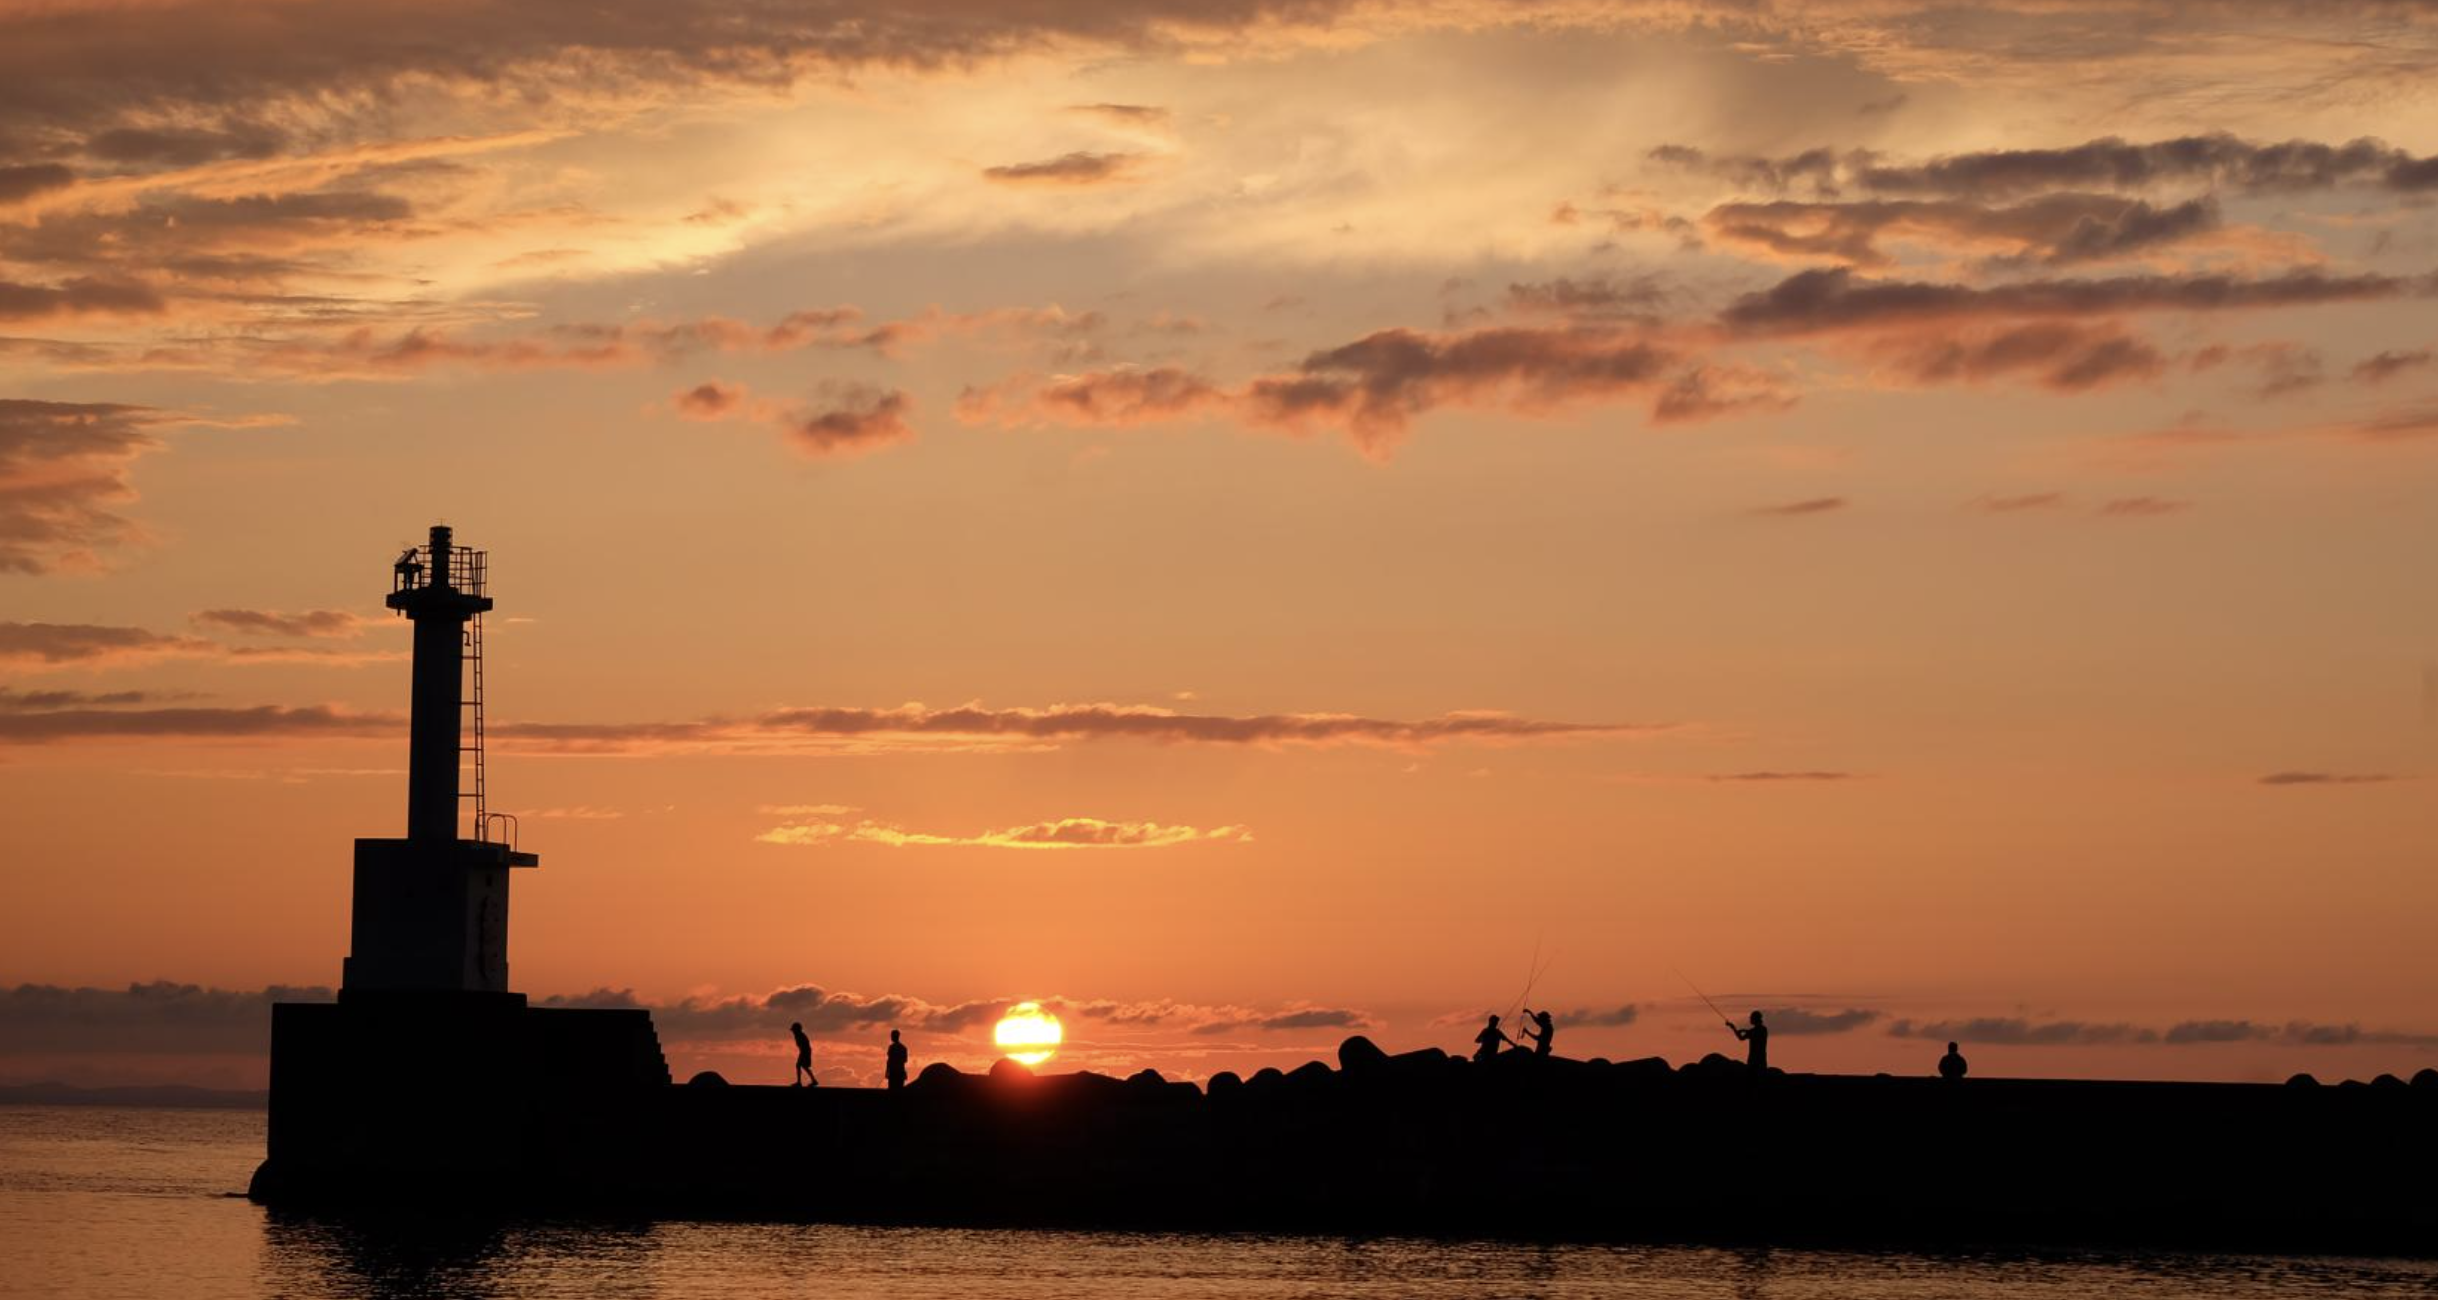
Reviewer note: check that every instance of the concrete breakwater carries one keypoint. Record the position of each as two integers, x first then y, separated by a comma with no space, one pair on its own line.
1416,1143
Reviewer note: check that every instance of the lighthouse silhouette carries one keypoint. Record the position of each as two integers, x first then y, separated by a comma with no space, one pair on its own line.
431,910
428,1078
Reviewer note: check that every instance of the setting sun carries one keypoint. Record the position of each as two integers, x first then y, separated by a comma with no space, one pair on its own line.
1027,1034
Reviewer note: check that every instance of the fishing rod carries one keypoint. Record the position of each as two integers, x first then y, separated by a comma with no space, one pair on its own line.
1697,992
1532,976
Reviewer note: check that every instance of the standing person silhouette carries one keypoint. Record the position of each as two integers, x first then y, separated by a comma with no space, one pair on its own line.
1485,1043
804,1059
1757,1057
1951,1066
1548,1030
897,1062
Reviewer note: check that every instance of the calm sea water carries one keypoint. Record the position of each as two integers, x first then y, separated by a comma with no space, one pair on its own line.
98,1201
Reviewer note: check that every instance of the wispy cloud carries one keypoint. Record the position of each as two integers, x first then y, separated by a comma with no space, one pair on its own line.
2012,1031
2142,507
1056,723
1063,833
63,477
1806,506
1071,170
94,645
1796,1021
2015,1031
2215,161
329,623
260,722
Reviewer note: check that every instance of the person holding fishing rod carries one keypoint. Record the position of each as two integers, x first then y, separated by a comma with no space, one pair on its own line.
1548,1030
1485,1043
1756,1057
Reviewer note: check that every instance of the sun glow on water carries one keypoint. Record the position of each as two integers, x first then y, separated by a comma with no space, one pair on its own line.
1028,1035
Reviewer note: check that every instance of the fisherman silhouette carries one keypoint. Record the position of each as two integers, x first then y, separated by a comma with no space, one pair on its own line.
1951,1066
1487,1041
897,1062
1548,1030
1758,1057
804,1059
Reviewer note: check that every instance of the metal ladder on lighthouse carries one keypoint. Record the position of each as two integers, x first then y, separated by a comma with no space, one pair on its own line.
472,742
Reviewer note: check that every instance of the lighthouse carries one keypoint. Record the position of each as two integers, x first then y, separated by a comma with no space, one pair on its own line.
431,909
428,1080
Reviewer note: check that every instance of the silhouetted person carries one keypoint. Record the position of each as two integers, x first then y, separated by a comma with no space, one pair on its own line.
1951,1066
897,1062
1486,1042
804,1059
1548,1030
1757,1056
410,570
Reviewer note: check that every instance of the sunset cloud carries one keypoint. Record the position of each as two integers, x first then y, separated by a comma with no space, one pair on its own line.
2015,1031
26,181
89,645
975,724
2387,365
1591,297
260,722
2216,161
1825,301
1064,833
1375,386
709,400
1301,1018
320,623
349,351
1119,398
55,644
1807,506
1798,1022
1134,115
814,730
2142,507
849,420
81,296
1072,169
2066,356
16,701
64,472
2054,230
2330,778
839,420
2012,1031
155,1016
2019,504
829,1013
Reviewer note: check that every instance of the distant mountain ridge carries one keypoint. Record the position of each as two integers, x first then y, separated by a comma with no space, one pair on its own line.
162,1095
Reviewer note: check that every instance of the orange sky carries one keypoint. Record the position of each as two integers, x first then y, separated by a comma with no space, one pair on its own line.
1242,521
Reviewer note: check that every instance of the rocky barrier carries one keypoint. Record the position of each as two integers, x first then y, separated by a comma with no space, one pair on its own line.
1426,1143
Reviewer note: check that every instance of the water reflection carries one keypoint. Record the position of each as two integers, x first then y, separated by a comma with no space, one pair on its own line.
464,1259
452,1257
139,1204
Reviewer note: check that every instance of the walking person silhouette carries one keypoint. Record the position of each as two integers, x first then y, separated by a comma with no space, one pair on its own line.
897,1062
804,1059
